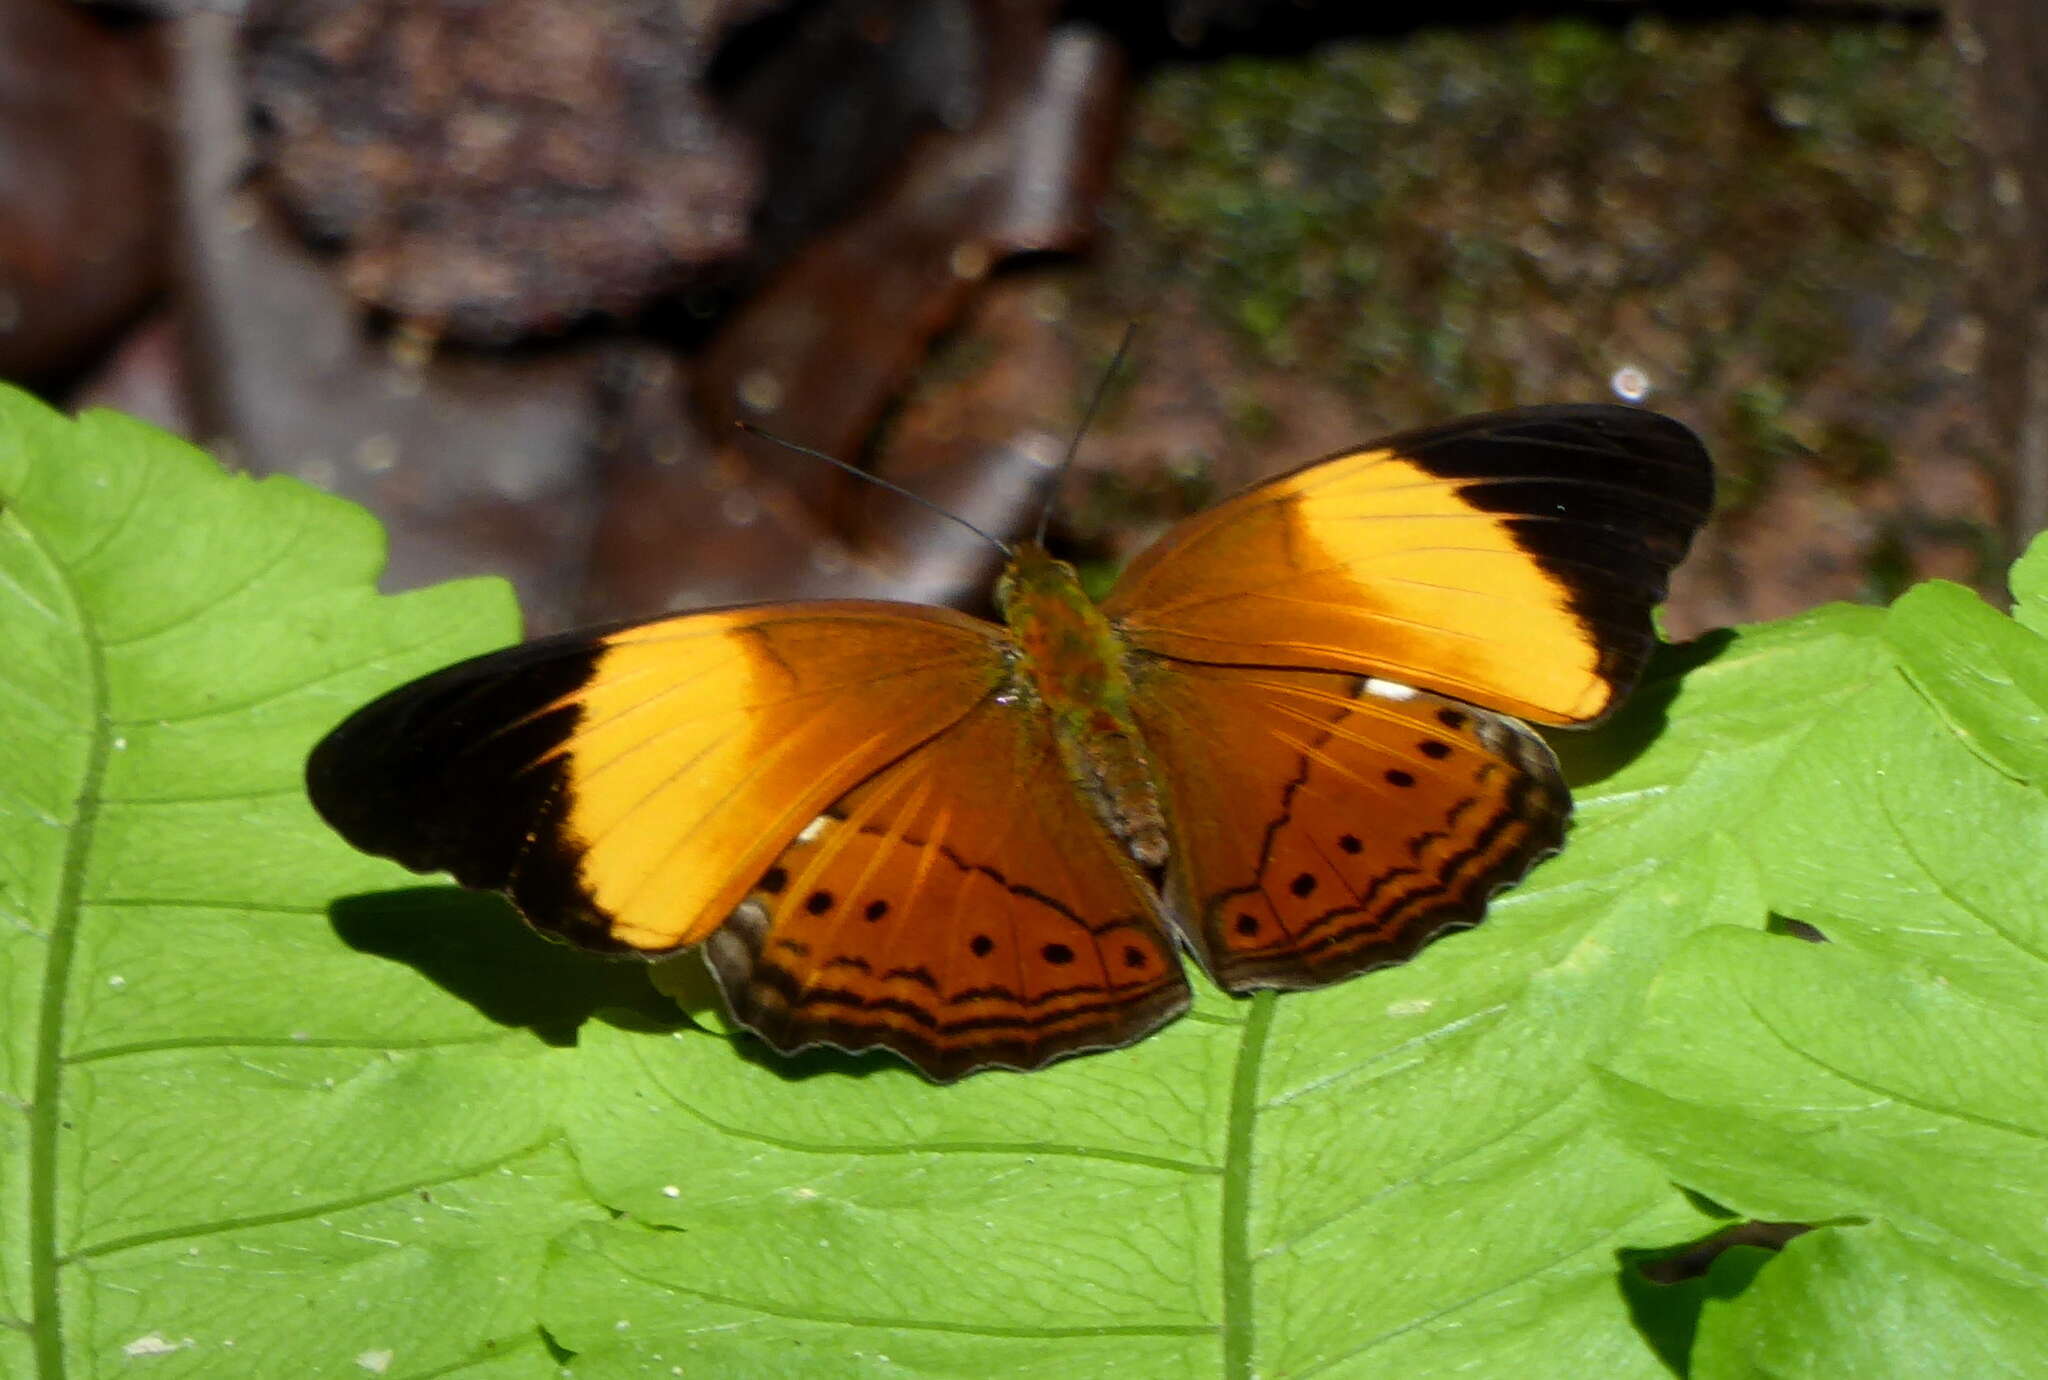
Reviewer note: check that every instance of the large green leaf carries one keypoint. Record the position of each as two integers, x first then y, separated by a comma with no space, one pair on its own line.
1402,1175
239,1143
1986,675
1873,1302
1893,1082
252,1142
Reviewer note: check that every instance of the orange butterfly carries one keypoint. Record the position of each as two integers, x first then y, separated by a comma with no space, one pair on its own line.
895,825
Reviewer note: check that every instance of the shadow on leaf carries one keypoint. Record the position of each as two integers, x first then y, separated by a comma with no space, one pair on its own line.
1667,1289
475,947
1589,757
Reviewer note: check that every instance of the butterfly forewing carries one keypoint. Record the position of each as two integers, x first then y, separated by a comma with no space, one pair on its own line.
625,789
1324,825
1510,560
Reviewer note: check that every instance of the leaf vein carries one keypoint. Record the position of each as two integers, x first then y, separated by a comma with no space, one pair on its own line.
222,1226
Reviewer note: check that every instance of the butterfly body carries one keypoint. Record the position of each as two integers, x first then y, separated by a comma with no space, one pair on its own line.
1073,663
1288,742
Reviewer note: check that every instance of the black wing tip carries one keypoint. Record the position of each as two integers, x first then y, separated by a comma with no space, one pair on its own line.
1607,498
1661,459
450,772
1622,429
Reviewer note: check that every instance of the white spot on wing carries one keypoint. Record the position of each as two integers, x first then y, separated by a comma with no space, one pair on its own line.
1388,689
814,829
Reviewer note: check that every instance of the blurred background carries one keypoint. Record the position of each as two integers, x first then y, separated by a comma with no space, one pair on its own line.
507,271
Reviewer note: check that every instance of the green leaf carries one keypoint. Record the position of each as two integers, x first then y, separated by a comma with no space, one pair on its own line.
1706,741
264,1074
1870,1301
1905,846
239,1144
1399,1175
1893,1081
1986,675
2029,581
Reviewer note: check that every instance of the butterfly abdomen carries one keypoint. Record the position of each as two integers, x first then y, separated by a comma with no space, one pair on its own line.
1072,662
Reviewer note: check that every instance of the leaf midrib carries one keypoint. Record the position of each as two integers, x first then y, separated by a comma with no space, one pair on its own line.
1237,1188
46,1318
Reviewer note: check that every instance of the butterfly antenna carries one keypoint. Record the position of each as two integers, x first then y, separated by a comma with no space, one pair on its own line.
858,473
1116,361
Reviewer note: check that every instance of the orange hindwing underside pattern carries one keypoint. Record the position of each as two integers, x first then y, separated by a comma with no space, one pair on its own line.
962,908
1324,825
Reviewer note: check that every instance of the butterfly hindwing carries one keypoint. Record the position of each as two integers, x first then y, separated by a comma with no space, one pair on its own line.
625,788
962,908
1328,824
1510,560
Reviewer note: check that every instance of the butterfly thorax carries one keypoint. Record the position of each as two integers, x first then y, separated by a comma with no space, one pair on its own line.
1071,662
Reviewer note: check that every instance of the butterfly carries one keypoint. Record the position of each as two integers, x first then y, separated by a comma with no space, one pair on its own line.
1290,741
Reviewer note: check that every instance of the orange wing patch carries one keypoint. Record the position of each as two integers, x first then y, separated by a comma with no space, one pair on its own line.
626,789
1510,560
1324,825
962,908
